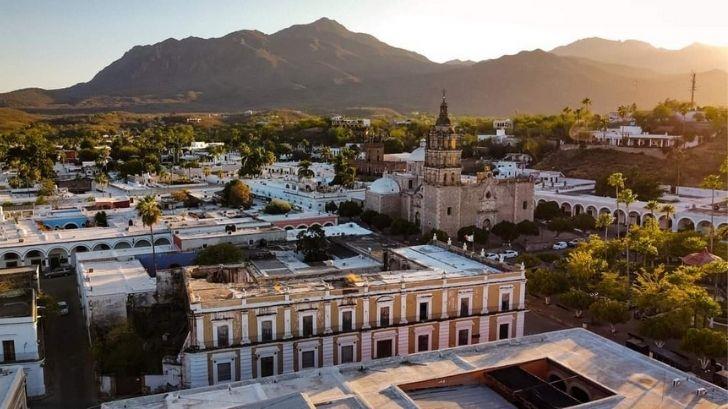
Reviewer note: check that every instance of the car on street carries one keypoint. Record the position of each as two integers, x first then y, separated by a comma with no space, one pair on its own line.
560,245
61,271
575,242
509,254
63,308
491,256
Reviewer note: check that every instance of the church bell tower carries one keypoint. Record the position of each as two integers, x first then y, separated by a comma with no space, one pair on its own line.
443,154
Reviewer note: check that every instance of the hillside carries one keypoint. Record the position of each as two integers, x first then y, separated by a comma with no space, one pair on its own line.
597,163
13,119
695,57
324,67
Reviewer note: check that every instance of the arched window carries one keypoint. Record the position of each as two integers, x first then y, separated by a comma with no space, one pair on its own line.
579,394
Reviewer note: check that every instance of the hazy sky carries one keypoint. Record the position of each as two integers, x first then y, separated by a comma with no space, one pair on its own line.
57,43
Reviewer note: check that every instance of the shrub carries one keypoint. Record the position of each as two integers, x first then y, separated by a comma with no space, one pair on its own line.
583,221
560,225
527,228
506,230
547,211
367,216
441,236
381,221
223,253
236,194
480,236
277,206
349,209
403,227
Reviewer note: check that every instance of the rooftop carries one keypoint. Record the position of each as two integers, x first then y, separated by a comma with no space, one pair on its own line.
440,259
116,277
627,378
11,378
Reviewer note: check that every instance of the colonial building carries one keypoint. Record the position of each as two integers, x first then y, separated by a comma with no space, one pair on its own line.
374,161
436,195
249,322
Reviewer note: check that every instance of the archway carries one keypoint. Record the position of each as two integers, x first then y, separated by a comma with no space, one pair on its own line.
591,211
11,259
685,224
289,227
578,209
142,243
635,218
665,222
566,208
101,246
605,210
70,226
704,227
301,226
34,258
79,249
646,217
620,217
122,245
162,241
57,257
328,224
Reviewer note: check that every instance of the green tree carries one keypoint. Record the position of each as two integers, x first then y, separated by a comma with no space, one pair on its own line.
253,160
527,228
441,236
613,286
664,327
313,244
381,221
344,171
403,227
47,188
349,209
100,219
627,197
304,170
668,210
616,180
236,194
223,253
712,182
277,206
604,220
547,283
506,230
120,352
480,236
149,211
706,344
578,300
610,311
583,221
331,207
583,267
547,211
560,225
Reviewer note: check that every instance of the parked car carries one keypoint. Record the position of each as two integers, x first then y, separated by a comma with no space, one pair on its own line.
509,254
63,308
575,242
60,271
491,256
560,245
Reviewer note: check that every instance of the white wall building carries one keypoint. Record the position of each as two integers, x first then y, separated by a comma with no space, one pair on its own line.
633,136
20,343
12,388
107,286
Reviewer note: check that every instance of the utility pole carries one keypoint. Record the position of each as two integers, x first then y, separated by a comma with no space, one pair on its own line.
692,90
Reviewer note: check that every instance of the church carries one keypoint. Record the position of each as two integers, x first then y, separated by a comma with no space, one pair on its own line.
433,193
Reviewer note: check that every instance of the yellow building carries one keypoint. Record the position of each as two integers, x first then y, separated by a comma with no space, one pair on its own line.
247,323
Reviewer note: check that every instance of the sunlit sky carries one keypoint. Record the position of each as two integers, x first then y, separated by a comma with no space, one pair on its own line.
53,44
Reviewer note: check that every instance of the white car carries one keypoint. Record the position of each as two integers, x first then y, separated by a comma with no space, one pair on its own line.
575,242
491,256
560,245
509,254
63,308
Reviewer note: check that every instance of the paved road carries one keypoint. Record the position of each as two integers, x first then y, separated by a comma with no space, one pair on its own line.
536,323
69,374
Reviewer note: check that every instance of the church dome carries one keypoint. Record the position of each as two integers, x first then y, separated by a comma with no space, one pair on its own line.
384,185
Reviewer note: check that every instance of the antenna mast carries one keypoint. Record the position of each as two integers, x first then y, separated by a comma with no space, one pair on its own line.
692,89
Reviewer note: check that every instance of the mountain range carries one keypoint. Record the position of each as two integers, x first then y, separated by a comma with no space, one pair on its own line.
324,67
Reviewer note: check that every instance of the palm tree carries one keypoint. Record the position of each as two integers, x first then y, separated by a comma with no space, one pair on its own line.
627,197
304,170
652,207
604,220
622,110
586,102
712,182
150,213
102,180
616,180
668,210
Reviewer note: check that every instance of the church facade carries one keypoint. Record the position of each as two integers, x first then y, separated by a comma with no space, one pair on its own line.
434,194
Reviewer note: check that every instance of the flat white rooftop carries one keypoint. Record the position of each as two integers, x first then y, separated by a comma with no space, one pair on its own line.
115,277
636,380
11,379
346,229
440,259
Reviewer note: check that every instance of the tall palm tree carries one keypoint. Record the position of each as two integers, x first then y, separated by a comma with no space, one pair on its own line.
149,211
304,170
712,182
668,210
604,220
586,102
627,197
616,180
652,207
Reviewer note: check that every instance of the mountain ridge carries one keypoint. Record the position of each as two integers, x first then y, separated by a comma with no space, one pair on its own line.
324,66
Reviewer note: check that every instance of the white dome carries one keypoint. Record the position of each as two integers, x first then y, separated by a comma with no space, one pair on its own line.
384,185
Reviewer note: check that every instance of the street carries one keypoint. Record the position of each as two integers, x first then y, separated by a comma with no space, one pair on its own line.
536,323
69,372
